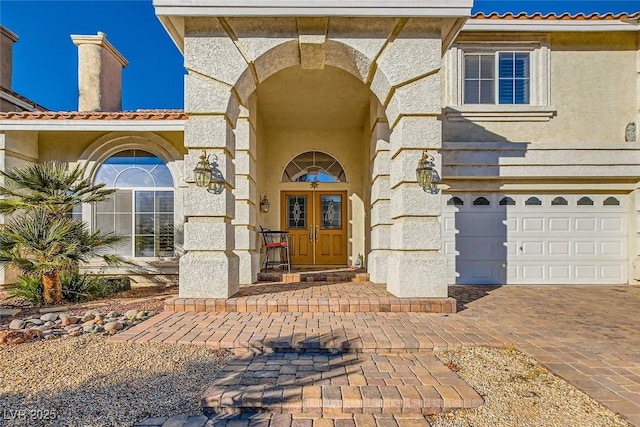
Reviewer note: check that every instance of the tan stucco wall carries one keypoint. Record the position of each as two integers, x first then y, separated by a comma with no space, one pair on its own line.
277,147
593,89
68,146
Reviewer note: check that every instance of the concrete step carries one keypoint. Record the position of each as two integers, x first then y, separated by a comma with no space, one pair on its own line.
339,383
313,297
334,275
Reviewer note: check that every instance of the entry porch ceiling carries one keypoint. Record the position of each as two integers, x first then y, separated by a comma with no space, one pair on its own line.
313,99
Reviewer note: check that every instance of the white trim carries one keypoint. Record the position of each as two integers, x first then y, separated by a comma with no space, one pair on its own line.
538,109
271,8
174,26
499,113
17,101
92,125
537,25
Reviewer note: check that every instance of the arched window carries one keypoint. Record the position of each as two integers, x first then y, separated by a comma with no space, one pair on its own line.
507,201
559,201
314,166
533,201
141,209
585,201
481,201
611,201
455,201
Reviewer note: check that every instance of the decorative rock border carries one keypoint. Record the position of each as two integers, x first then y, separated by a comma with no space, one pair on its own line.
58,325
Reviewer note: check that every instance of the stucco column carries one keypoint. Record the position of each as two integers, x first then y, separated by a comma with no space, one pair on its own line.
209,268
411,66
16,150
246,219
416,266
380,195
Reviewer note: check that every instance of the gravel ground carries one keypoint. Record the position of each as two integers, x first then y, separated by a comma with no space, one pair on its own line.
88,382
518,391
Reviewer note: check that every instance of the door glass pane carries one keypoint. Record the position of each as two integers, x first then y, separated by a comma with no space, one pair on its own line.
331,214
296,212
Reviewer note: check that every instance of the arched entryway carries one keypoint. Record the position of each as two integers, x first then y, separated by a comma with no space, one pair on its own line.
316,217
367,93
312,146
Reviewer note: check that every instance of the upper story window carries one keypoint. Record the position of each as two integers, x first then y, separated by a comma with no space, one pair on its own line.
497,78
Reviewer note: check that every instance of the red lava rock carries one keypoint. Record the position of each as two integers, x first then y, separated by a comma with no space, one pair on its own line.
18,337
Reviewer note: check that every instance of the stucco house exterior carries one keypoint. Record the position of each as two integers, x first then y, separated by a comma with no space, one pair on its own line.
325,109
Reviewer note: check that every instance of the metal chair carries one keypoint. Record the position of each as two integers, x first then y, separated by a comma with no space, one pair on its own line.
276,249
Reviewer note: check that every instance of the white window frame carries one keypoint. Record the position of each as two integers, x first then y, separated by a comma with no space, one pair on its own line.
496,78
539,107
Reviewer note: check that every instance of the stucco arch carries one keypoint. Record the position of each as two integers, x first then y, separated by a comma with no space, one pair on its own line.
287,54
115,142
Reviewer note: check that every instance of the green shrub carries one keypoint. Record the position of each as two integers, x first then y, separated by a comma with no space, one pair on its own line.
29,289
75,287
114,285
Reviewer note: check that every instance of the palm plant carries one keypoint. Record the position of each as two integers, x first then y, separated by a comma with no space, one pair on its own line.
49,185
41,238
36,245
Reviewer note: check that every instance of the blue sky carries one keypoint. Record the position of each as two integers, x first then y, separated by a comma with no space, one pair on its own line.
45,59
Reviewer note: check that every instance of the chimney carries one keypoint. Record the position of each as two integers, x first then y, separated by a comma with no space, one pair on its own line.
7,39
99,73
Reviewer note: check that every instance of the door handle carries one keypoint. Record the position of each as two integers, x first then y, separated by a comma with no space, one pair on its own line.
316,233
311,234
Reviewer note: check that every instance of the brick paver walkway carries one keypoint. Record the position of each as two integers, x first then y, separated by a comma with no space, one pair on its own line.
586,334
313,297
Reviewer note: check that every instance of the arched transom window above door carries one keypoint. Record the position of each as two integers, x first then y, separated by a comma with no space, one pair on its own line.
314,166
141,209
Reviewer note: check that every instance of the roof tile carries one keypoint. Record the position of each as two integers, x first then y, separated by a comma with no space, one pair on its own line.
24,99
557,16
96,115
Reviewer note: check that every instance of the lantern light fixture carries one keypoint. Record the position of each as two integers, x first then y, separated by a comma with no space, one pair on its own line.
208,174
264,203
426,173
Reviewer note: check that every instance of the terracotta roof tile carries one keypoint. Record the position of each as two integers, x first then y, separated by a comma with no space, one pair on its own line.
557,16
99,115
26,100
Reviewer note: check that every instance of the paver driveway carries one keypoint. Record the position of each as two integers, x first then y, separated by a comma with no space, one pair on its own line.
589,335
586,334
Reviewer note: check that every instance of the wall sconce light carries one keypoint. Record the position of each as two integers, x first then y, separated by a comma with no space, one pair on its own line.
264,203
426,174
208,175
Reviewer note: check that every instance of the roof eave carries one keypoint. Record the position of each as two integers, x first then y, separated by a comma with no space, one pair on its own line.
91,125
276,8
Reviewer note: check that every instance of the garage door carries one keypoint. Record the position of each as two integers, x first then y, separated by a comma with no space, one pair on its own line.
535,239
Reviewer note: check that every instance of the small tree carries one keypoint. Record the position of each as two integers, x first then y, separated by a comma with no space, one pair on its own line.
41,238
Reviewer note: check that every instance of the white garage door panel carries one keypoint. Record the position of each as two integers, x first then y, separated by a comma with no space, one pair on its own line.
534,244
